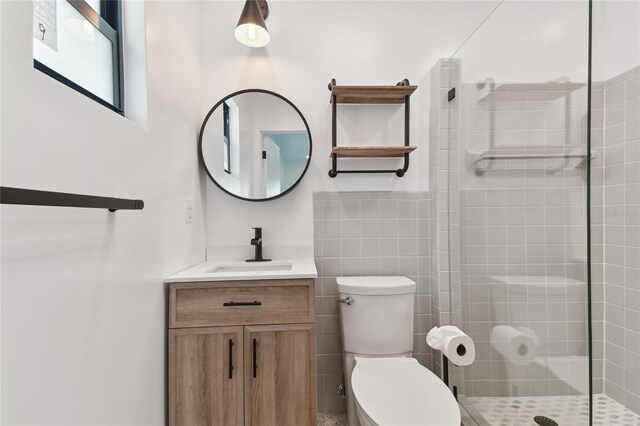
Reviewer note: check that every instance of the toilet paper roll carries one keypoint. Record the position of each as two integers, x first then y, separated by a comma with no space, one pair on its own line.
518,346
453,343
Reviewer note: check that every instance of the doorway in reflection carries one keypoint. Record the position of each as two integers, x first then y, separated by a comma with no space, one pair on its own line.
284,155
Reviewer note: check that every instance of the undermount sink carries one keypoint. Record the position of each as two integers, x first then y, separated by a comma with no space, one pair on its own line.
252,267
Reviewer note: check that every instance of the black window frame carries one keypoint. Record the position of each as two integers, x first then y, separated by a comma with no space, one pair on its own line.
109,23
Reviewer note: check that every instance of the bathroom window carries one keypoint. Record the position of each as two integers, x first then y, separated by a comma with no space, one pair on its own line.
78,43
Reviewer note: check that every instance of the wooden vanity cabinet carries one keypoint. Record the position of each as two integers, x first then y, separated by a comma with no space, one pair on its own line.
280,375
206,380
242,353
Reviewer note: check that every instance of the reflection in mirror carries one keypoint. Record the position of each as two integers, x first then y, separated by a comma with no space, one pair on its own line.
255,145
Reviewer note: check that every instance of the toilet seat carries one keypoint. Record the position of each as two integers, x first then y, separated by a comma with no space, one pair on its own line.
399,391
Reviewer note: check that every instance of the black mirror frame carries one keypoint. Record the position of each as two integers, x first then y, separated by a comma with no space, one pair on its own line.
220,102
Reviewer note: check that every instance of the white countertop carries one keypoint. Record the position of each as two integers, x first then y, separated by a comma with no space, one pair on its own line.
230,270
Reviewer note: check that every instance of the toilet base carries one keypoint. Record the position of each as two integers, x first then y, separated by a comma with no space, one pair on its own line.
349,360
362,417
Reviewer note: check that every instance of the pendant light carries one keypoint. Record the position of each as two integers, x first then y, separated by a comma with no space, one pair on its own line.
251,29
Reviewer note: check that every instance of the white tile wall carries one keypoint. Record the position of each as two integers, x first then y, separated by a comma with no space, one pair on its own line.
367,233
519,218
445,277
620,219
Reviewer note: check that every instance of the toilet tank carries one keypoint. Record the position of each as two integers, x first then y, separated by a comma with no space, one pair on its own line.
379,321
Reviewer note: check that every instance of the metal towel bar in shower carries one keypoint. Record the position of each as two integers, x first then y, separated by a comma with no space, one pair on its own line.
529,156
476,158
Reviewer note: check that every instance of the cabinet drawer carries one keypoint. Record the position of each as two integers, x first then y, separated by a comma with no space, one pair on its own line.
240,302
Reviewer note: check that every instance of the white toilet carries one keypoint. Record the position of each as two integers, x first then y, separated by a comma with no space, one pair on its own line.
384,385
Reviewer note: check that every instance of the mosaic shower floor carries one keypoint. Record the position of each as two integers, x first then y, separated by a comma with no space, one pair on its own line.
565,410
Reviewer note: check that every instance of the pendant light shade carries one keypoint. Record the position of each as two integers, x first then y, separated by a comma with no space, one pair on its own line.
251,29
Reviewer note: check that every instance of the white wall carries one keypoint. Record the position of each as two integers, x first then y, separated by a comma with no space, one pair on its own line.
548,40
529,42
616,37
83,308
312,42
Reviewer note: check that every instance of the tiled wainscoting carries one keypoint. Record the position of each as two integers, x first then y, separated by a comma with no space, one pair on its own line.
367,233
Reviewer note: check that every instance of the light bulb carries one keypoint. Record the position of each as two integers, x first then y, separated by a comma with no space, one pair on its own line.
251,32
252,35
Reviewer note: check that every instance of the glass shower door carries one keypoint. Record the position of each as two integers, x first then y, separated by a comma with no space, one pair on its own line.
517,209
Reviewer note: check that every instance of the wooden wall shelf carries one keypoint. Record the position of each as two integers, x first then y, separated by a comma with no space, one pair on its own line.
398,94
371,94
371,151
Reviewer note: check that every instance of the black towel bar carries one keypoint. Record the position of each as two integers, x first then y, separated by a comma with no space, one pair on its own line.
32,197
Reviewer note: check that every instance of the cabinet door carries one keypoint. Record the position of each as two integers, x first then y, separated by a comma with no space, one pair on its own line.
280,375
205,376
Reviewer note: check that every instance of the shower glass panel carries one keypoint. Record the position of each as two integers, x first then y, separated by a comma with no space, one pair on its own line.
517,209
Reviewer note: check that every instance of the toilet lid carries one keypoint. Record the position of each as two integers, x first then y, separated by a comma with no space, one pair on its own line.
399,391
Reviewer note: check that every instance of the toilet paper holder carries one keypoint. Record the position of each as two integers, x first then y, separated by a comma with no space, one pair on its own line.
445,370
461,350
445,375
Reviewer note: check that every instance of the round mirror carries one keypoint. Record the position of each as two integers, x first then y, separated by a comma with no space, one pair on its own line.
255,145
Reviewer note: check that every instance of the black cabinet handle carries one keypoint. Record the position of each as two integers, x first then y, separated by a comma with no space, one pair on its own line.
230,359
255,357
254,303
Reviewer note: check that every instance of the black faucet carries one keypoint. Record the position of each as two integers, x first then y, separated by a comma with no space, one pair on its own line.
257,241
